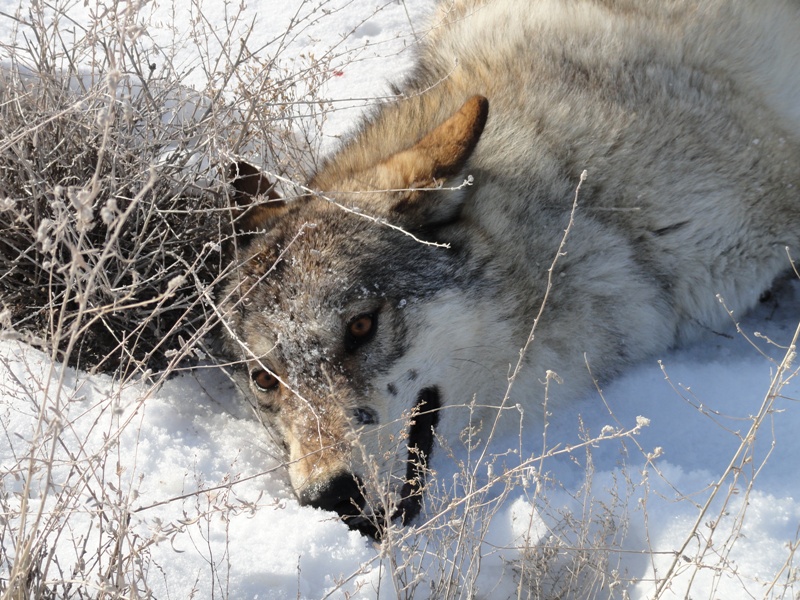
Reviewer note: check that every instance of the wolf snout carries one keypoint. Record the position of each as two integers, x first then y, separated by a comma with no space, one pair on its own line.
340,494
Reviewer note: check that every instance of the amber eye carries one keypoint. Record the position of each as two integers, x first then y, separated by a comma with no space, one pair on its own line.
264,380
360,330
361,326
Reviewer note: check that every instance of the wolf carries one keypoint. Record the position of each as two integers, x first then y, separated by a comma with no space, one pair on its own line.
384,308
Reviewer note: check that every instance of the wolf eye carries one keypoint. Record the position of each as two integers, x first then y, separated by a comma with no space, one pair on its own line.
360,326
360,330
264,380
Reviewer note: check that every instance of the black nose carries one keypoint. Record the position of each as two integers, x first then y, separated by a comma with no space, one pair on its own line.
340,494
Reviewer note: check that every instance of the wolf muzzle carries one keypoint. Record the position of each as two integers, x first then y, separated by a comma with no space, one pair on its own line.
340,494
343,493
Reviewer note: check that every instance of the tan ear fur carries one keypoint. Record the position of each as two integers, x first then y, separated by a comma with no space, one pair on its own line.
443,151
249,183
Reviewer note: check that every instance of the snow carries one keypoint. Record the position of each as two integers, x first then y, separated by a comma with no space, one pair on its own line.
151,445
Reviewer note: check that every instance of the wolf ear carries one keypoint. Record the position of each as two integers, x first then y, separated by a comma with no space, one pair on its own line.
248,184
442,153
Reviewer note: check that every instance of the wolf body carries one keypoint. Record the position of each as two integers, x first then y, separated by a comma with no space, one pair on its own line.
685,115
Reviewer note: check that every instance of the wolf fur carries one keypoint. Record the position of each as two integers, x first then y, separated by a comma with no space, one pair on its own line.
686,116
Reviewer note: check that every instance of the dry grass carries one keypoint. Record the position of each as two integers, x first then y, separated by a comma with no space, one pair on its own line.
114,224
112,190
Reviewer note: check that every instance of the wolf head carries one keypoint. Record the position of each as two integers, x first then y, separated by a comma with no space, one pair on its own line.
346,319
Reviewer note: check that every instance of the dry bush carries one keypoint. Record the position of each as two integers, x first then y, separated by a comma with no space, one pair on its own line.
114,221
114,208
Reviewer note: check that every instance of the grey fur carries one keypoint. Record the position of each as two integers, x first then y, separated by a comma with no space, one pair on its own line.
685,114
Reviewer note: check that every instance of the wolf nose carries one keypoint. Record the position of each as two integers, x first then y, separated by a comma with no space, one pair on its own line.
340,494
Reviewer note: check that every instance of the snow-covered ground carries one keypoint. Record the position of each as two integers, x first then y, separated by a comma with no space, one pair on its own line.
210,510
